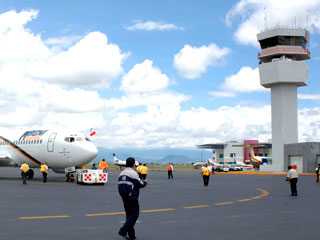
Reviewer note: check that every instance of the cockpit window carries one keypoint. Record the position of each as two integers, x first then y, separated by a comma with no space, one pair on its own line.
87,139
69,139
80,139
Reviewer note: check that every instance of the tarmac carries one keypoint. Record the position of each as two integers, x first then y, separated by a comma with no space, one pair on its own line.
234,206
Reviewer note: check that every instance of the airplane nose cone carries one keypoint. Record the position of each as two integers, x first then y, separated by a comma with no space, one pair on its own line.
85,154
92,152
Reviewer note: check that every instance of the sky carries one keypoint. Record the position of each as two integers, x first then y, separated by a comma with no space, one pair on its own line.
148,74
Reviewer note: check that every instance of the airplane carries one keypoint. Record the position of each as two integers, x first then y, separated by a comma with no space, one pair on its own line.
209,162
243,165
255,159
60,150
121,163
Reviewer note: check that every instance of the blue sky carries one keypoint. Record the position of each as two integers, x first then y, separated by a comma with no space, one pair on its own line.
148,74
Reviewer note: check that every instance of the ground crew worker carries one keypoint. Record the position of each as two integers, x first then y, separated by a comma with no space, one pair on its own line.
24,169
293,179
212,169
103,165
129,184
44,170
205,174
144,172
317,172
94,167
170,169
140,169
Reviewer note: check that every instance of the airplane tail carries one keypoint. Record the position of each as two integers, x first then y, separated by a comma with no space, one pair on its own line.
253,158
114,157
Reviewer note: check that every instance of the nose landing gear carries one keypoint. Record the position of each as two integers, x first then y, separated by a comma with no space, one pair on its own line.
30,174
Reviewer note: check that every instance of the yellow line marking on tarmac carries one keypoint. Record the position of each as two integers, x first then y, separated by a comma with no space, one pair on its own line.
264,193
224,203
259,173
245,200
44,217
105,214
199,206
121,213
178,187
158,210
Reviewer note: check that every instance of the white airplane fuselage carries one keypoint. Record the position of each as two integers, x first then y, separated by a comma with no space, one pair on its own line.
121,163
58,149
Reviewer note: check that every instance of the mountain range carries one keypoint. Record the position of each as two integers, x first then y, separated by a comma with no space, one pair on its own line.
176,156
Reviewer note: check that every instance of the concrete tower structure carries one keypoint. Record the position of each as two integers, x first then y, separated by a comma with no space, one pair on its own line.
282,69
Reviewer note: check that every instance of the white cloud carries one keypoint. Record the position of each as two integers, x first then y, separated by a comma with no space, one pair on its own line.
18,43
192,62
12,20
76,100
62,42
74,121
151,26
309,96
28,101
246,80
169,126
160,119
223,94
20,116
161,98
143,78
91,62
309,124
249,16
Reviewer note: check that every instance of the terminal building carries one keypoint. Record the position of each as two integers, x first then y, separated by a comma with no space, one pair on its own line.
305,155
229,152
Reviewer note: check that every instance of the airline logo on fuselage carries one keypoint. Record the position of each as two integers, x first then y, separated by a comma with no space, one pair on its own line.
32,135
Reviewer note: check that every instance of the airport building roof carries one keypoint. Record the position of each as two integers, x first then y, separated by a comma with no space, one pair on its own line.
212,146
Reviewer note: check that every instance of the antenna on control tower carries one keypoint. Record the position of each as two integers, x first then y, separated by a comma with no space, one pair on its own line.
265,19
307,19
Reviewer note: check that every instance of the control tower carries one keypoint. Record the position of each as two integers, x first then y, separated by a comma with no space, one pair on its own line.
282,69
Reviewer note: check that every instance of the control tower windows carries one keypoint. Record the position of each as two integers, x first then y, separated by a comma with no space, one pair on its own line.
284,41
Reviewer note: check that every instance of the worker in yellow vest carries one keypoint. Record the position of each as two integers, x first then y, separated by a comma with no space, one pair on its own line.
24,170
139,168
44,170
206,174
144,172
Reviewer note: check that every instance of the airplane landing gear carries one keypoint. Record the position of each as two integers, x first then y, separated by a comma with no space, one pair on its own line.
70,177
30,174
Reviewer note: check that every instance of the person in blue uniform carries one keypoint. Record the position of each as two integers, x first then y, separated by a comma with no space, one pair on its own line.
129,184
94,167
